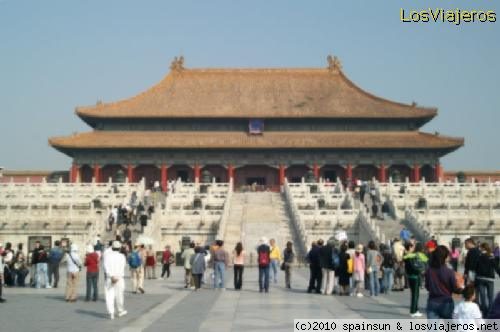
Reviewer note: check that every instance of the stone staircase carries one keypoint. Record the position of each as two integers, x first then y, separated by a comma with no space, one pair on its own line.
254,215
389,226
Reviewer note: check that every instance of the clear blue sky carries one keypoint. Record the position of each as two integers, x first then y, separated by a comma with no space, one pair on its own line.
59,54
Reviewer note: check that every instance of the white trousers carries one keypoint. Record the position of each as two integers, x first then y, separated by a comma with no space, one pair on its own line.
114,293
328,281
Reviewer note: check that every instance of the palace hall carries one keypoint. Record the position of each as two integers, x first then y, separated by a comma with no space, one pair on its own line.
256,126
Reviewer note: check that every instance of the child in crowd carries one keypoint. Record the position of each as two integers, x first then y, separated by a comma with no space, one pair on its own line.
467,311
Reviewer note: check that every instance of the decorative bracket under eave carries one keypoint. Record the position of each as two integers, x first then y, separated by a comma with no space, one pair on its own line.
334,65
177,64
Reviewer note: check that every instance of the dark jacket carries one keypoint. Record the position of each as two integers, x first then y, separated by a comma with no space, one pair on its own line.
486,267
325,257
440,283
471,260
288,256
313,257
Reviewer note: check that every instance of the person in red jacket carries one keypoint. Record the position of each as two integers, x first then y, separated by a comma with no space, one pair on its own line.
166,260
92,264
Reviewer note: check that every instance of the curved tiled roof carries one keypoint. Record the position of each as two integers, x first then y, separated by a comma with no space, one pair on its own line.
241,140
255,93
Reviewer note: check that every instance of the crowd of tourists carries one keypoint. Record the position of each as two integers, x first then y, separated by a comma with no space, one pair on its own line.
337,267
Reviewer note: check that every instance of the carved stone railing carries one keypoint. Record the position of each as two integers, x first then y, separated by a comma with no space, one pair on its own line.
225,214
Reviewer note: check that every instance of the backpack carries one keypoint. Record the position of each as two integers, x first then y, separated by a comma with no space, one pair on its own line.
134,260
416,266
335,259
350,265
55,255
263,258
388,260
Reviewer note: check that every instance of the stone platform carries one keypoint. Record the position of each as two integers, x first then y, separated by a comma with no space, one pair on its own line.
168,306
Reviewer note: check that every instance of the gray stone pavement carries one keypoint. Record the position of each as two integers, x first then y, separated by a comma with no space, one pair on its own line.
168,306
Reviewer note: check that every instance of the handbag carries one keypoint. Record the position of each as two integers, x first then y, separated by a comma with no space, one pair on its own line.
283,267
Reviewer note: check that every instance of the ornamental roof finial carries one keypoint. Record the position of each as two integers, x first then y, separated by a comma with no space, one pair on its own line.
334,65
177,64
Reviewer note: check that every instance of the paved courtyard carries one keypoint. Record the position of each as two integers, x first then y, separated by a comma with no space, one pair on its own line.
168,306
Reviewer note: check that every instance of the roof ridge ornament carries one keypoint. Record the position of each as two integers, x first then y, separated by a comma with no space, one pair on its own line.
334,65
177,64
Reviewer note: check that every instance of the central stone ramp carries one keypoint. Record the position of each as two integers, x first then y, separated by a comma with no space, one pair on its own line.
254,215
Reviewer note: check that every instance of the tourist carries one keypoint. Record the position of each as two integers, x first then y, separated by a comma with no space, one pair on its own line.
127,234
275,259
220,261
327,266
263,260
315,276
186,257
288,258
431,245
399,273
359,270
8,259
34,262
471,260
20,266
41,268
404,235
135,260
56,254
485,277
166,259
496,253
440,281
373,264
150,263
415,261
467,311
2,268
343,271
494,310
388,264
92,264
351,251
198,266
74,266
238,265
454,256
114,285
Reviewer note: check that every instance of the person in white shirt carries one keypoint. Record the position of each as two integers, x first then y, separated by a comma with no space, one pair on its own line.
114,285
467,311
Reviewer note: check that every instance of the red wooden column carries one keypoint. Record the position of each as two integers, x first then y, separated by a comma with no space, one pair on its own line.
97,173
382,174
230,172
130,173
74,173
282,175
438,172
416,173
197,173
316,171
164,177
348,171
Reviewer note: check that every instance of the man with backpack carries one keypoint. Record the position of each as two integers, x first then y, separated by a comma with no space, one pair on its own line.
135,261
55,256
264,261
